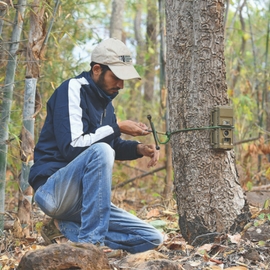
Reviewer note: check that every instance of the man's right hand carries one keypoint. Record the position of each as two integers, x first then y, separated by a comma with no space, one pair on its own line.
133,128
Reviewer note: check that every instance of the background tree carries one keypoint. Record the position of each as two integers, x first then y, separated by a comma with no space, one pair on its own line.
151,46
7,101
209,197
249,21
35,51
116,23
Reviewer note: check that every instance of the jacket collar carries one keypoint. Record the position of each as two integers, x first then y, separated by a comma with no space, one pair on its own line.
97,89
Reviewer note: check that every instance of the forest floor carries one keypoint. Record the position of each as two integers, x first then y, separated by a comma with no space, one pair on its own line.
232,252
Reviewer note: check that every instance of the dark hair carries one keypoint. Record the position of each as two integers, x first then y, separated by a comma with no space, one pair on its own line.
104,68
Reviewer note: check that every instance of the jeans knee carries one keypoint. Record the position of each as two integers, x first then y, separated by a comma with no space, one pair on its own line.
46,203
105,154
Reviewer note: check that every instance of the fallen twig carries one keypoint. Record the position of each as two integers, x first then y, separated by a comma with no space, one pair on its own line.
138,177
246,141
261,188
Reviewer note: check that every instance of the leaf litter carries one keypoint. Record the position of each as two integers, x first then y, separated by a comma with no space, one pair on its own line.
243,251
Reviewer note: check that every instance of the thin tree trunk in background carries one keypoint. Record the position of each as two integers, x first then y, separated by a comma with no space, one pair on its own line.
4,5
7,102
242,49
266,80
27,149
209,197
138,35
140,59
35,52
226,15
167,192
151,41
116,24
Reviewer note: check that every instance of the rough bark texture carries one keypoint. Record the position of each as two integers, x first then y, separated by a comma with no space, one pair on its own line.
209,197
65,256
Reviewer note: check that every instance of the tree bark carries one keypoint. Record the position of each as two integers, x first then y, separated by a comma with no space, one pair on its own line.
209,197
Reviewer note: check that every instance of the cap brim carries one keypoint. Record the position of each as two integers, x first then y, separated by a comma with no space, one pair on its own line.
127,72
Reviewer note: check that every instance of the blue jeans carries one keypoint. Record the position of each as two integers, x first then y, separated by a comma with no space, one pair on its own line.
79,197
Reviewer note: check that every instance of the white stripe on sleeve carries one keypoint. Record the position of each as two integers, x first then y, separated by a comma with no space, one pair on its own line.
75,118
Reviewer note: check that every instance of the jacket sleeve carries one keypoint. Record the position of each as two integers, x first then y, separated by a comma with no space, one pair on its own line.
125,149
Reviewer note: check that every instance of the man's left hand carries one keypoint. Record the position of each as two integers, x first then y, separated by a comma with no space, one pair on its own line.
149,150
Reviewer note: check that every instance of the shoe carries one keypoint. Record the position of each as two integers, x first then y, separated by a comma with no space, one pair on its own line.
50,233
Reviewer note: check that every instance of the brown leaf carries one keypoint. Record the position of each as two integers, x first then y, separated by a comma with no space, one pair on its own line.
17,229
205,248
176,245
153,213
235,239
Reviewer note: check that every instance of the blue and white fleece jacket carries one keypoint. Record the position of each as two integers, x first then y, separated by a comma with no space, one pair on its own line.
79,114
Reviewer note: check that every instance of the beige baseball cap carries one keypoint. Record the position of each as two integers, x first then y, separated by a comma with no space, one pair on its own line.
116,55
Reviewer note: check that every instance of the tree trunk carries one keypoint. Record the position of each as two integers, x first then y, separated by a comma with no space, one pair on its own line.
266,82
136,92
151,42
7,101
34,54
209,197
116,25
4,7
167,192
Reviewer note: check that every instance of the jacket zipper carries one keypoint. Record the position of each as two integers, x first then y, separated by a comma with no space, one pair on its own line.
103,115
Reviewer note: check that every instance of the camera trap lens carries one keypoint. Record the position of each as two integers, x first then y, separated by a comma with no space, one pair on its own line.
226,133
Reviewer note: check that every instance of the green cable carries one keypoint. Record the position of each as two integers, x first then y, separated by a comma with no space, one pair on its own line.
168,133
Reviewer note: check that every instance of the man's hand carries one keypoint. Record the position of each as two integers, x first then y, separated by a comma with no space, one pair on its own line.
133,128
149,150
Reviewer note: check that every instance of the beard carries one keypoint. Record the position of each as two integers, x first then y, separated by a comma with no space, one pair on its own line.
104,86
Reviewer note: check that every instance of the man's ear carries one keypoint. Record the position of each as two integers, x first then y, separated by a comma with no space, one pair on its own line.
96,70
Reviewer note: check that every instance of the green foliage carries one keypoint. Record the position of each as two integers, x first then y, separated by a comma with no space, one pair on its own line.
261,243
79,27
133,212
159,224
249,185
266,204
247,73
38,226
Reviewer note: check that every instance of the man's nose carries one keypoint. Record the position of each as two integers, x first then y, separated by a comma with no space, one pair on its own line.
120,84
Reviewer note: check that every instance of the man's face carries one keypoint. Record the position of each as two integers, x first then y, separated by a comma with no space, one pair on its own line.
109,83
